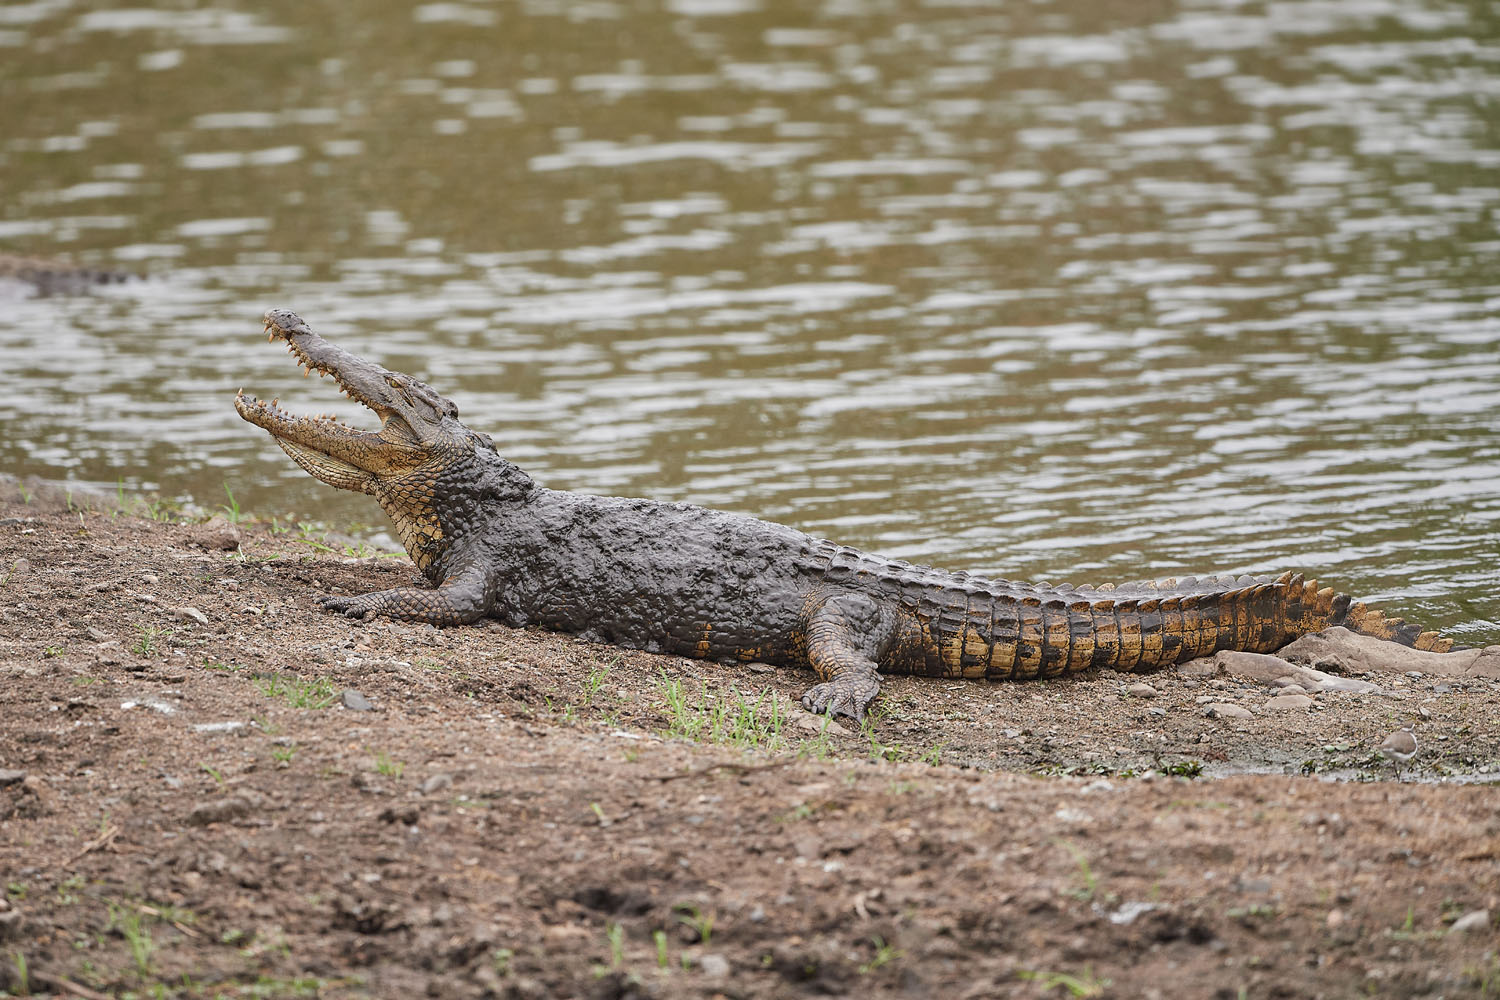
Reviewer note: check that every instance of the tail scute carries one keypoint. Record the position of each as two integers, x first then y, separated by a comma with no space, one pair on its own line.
1322,607
1369,621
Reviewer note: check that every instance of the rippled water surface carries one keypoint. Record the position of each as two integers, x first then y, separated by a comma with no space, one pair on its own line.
1059,289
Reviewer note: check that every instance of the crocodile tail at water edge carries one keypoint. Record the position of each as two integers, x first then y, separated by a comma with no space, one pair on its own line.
1324,609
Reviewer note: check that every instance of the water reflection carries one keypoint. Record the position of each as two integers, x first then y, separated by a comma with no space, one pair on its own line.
1060,290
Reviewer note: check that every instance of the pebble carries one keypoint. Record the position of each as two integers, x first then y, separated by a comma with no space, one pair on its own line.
20,568
215,533
1474,920
1226,710
1127,913
9,777
189,613
356,702
1288,703
219,811
437,783
155,704
714,966
1288,686
1203,666
1141,690
814,724
218,727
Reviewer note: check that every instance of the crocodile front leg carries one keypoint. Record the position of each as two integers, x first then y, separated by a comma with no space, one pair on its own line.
461,598
844,633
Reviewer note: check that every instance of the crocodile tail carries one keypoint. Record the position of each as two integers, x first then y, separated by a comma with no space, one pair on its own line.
1322,608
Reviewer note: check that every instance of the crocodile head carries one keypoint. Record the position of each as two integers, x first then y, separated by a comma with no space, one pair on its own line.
417,465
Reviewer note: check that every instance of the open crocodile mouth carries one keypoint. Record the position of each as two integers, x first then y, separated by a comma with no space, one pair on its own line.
323,438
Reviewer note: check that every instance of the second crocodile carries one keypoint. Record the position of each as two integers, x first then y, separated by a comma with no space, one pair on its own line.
675,578
45,276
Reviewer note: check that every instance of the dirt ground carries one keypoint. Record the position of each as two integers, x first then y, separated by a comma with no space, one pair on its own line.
209,787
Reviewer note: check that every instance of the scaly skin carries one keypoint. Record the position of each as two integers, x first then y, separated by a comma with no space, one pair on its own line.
680,579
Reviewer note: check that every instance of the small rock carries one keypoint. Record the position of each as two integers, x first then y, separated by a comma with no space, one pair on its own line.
814,724
219,811
714,966
227,726
356,702
1157,711
155,704
150,578
1316,680
9,777
20,568
1226,710
1474,920
215,533
44,795
1334,920
1203,666
1285,685
1141,690
1256,666
1288,703
12,925
189,613
1128,912
437,783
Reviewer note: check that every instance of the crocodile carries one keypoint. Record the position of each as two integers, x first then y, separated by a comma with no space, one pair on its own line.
48,276
693,581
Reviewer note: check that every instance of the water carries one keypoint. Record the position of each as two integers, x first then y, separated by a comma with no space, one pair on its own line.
1058,290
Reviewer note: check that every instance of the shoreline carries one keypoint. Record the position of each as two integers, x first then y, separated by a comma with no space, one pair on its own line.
196,757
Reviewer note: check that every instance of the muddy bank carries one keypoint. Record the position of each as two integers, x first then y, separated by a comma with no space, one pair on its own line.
208,786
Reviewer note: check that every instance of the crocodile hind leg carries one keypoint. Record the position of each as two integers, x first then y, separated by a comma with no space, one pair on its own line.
844,633
458,600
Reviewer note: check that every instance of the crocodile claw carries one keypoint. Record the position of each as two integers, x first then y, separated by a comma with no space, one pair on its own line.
846,696
349,607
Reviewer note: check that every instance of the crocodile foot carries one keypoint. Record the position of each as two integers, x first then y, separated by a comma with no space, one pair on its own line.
351,607
847,696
